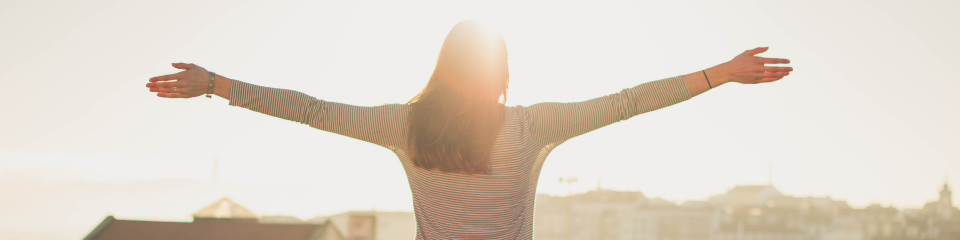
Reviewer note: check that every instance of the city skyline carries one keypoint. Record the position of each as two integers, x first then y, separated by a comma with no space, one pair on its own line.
79,207
610,214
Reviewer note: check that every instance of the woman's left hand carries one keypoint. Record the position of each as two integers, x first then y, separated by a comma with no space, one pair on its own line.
189,83
747,68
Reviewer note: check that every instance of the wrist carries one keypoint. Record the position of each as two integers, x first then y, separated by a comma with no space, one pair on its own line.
221,86
718,75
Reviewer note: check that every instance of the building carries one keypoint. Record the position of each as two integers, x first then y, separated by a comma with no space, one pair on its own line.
743,212
661,219
762,212
223,219
373,225
945,209
936,220
606,214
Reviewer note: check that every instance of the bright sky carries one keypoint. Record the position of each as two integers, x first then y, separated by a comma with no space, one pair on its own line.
869,115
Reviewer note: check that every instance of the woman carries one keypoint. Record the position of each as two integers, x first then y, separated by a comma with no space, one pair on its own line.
472,163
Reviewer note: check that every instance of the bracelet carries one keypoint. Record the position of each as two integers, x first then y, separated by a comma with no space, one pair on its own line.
704,76
210,85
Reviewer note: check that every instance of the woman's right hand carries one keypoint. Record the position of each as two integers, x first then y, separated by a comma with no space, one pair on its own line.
747,68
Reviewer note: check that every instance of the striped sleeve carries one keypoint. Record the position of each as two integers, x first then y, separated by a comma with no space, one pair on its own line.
378,125
554,123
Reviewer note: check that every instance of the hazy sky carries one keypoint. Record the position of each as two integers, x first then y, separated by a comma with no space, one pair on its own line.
869,116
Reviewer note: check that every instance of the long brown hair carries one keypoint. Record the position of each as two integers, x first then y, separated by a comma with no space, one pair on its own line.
455,119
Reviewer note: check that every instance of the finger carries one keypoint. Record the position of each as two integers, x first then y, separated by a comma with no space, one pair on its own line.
756,51
184,66
166,84
168,90
171,95
175,76
770,79
778,69
777,74
774,60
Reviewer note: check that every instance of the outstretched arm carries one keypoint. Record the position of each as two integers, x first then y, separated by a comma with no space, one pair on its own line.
380,125
554,123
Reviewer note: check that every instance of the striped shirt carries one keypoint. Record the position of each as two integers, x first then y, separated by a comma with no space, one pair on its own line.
459,206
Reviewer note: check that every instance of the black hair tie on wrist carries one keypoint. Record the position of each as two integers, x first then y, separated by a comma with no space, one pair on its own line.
708,79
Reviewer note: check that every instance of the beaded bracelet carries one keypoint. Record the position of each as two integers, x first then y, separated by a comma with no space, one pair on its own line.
210,85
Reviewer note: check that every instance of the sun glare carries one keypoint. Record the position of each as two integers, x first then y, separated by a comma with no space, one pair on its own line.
81,138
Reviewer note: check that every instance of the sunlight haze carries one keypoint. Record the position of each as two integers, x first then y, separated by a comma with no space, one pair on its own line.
869,115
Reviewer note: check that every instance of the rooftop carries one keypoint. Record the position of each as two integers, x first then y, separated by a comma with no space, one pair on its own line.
225,209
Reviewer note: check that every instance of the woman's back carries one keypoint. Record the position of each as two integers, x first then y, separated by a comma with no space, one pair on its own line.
447,205
498,205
